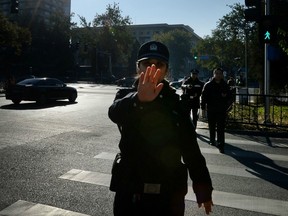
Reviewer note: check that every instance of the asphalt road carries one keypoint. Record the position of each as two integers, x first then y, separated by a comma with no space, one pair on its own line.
57,159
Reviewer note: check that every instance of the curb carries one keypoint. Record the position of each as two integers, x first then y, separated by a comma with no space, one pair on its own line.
204,126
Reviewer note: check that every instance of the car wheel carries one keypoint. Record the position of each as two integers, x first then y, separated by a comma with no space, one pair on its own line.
72,97
16,101
42,99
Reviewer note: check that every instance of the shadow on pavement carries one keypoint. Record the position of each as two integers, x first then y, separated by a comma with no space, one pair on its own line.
33,105
259,165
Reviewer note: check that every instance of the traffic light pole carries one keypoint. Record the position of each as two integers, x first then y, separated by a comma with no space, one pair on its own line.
267,72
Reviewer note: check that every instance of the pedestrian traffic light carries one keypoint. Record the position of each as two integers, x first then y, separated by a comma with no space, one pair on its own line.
268,29
253,10
14,6
195,56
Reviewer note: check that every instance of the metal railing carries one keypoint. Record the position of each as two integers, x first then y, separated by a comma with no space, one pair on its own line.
250,109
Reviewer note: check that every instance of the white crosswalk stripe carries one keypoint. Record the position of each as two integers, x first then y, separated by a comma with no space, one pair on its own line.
246,154
239,201
220,198
252,143
251,203
243,153
224,170
24,208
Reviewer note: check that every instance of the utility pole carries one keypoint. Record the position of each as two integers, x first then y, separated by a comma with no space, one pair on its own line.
254,13
267,72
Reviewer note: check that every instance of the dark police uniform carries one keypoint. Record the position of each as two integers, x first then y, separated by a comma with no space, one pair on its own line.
192,90
151,178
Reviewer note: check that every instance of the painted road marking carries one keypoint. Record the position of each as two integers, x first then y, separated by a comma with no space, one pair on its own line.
245,202
246,154
25,208
254,143
247,142
232,200
236,153
87,177
224,170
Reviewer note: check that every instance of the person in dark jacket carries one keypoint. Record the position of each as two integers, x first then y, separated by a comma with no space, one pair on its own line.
148,176
192,89
216,96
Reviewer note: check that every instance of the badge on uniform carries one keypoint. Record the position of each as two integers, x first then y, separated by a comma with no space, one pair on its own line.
152,188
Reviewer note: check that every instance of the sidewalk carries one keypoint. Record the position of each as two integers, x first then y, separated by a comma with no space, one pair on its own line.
203,125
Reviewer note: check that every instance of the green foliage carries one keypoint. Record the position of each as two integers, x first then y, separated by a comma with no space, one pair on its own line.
234,38
279,10
180,45
252,114
12,36
114,36
227,42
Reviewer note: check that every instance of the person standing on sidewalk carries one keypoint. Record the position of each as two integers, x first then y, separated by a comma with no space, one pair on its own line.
192,89
216,98
148,175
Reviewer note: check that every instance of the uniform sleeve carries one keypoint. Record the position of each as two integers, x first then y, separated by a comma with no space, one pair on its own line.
204,97
126,106
196,164
122,105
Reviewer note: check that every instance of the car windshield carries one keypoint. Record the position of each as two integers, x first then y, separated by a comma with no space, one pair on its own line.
29,81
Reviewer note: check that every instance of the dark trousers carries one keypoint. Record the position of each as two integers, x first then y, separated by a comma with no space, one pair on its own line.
217,120
127,204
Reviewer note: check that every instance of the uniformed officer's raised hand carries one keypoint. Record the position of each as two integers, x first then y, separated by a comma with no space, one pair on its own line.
149,86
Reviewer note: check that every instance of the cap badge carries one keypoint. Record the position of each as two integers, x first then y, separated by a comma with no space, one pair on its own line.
153,47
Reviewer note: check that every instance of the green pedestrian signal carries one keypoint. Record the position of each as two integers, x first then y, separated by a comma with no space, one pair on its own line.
195,56
267,36
268,29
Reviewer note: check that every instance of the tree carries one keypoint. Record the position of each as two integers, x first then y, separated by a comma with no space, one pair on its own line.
14,41
180,46
233,36
226,47
13,37
114,35
279,11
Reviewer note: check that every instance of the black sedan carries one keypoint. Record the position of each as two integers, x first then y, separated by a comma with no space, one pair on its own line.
40,90
125,81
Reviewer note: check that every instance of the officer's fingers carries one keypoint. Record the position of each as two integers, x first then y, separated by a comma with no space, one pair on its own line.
141,79
147,74
157,75
208,207
152,73
158,88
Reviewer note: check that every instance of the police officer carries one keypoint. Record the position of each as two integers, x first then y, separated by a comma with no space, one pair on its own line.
156,135
192,90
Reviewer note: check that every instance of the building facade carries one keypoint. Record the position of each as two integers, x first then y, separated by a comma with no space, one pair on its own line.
144,33
37,8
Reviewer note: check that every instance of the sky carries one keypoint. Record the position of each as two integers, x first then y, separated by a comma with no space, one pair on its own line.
201,15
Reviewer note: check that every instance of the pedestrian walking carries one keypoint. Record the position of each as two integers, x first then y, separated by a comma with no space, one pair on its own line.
216,97
192,89
148,175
